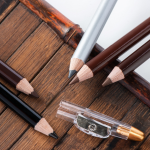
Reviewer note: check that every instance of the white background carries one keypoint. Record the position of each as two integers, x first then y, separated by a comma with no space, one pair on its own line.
126,15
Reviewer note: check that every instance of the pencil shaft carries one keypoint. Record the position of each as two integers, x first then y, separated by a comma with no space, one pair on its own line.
9,74
92,33
135,59
119,47
18,106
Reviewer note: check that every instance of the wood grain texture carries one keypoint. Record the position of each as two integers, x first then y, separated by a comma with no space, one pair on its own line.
6,6
139,117
115,101
45,85
37,49
145,145
54,18
41,51
15,29
32,140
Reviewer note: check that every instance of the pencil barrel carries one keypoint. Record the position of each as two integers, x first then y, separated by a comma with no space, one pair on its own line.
9,74
18,106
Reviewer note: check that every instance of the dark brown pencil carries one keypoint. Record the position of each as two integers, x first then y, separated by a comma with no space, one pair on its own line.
16,80
129,64
26,112
92,67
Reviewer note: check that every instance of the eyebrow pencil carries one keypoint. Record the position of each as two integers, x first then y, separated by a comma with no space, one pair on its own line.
96,64
91,35
129,64
26,112
97,124
16,80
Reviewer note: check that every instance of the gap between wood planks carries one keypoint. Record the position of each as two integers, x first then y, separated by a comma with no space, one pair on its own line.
64,136
120,120
57,93
7,13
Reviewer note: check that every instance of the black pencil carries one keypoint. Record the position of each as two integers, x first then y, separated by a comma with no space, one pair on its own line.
26,112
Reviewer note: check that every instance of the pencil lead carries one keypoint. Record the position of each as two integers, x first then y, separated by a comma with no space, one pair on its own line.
75,80
107,82
71,73
34,94
54,135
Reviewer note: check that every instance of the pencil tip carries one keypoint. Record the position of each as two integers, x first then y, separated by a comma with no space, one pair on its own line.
107,82
75,80
54,135
71,73
34,94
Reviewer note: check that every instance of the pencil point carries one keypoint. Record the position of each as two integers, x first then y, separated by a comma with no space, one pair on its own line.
54,135
107,82
34,94
71,73
75,80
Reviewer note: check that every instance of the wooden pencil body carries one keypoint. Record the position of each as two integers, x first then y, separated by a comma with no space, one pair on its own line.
9,74
18,106
72,36
26,112
119,47
136,59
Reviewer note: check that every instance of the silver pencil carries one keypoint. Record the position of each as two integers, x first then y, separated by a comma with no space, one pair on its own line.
91,35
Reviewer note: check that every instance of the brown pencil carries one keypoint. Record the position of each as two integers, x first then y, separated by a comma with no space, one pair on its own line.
129,64
92,67
16,80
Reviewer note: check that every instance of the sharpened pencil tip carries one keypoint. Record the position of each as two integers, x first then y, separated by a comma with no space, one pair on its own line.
71,73
34,94
107,82
75,80
54,135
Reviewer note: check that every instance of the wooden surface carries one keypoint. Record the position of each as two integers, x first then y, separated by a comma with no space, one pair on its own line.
31,47
71,34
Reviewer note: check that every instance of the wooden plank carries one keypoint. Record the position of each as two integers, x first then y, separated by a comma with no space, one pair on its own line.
6,6
139,117
145,145
36,47
72,34
15,29
114,102
46,91
34,52
83,94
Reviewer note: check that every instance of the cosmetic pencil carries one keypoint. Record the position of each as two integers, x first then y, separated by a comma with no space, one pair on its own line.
129,64
26,112
16,80
91,35
96,64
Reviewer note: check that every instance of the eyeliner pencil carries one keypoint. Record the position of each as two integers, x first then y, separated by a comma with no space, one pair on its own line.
91,35
96,64
16,80
26,112
129,64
